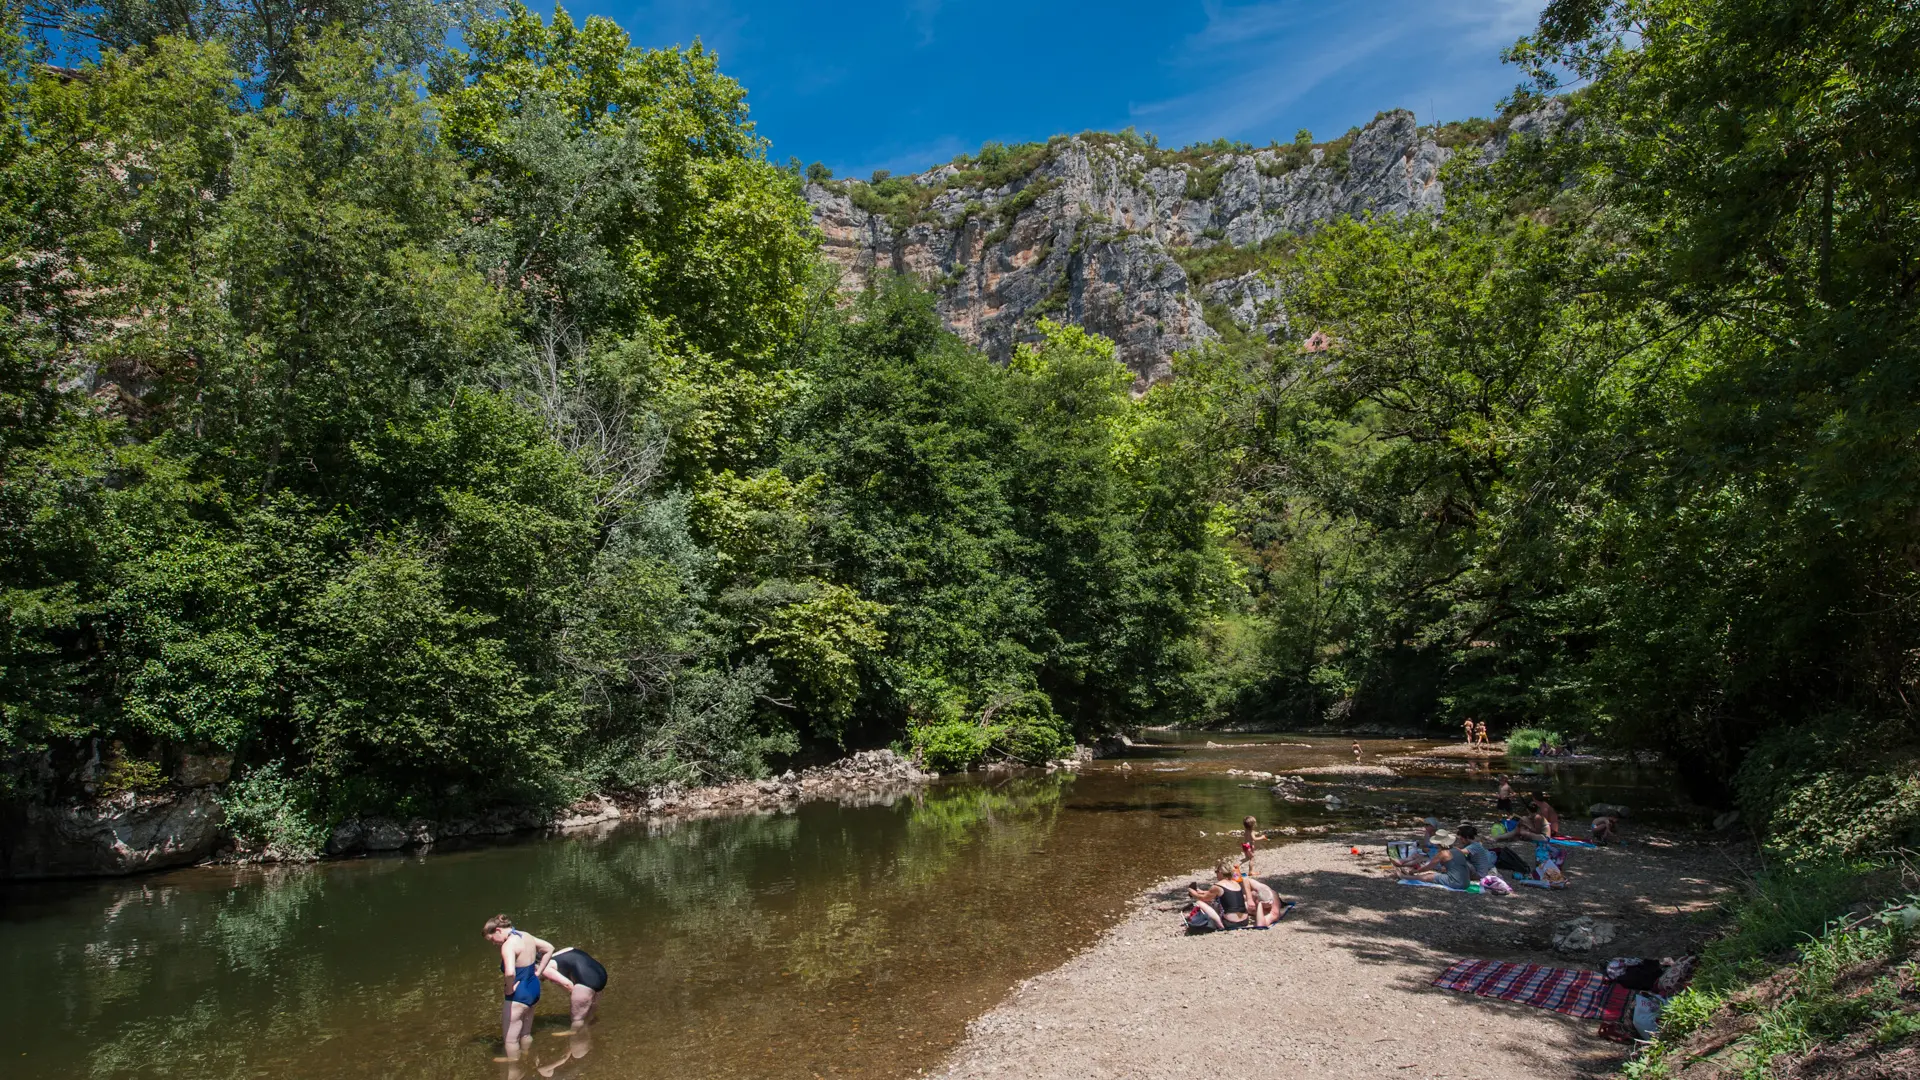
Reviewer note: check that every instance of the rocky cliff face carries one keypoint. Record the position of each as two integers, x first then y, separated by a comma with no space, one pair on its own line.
1095,231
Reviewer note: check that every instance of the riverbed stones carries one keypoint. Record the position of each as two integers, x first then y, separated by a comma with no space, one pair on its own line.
1582,934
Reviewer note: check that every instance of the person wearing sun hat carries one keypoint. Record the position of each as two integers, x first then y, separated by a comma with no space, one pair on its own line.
1424,849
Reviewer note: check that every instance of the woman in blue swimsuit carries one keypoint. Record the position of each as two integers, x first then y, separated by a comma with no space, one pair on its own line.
521,958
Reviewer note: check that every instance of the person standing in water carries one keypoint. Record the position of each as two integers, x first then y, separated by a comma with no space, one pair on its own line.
1503,799
521,957
582,977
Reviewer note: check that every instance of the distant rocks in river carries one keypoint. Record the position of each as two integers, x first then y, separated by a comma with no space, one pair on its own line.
1345,770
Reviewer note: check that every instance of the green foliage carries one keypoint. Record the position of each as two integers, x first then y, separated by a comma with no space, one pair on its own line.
908,201
267,809
951,745
1842,789
1524,741
1220,262
1782,908
1848,982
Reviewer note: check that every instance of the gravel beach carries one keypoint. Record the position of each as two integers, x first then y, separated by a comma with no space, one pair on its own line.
1340,988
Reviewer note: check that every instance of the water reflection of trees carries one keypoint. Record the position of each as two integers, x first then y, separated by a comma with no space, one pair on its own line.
305,968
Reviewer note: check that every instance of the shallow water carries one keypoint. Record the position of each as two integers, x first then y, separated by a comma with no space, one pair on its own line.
833,940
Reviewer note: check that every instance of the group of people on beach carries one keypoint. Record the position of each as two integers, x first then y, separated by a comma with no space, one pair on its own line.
1464,860
525,961
1236,900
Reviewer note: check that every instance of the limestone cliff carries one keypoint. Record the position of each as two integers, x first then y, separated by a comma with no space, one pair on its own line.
1093,229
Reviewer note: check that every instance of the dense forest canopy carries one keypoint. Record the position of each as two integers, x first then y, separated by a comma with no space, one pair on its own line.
432,428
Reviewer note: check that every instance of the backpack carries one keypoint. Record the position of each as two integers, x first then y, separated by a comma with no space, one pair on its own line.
1505,859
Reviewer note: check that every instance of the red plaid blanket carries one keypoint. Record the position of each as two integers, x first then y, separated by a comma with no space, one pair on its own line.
1614,1022
1563,990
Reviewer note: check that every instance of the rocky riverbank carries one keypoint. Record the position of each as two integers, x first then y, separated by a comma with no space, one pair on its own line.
877,773
1341,988
130,834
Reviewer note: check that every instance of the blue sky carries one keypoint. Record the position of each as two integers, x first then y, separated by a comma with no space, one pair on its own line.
866,84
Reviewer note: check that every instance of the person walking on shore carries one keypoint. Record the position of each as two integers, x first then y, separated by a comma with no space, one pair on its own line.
1467,726
521,957
1480,733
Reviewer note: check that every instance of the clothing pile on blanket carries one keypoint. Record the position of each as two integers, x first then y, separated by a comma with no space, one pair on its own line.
1627,998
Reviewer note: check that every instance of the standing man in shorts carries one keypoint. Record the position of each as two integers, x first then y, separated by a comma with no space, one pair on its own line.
521,957
1467,726
582,977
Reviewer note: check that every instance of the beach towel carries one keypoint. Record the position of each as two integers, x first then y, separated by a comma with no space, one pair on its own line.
1561,990
1429,884
1536,883
1568,841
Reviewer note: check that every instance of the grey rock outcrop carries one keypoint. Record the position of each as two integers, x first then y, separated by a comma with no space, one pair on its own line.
1582,934
1089,235
123,835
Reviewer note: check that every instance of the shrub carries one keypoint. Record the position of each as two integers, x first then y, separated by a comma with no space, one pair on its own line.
1022,727
1525,741
950,746
130,774
1782,908
1839,789
267,809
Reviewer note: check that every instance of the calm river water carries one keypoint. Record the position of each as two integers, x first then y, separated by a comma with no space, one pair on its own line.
833,940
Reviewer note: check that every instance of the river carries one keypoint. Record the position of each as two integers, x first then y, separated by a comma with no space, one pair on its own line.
831,940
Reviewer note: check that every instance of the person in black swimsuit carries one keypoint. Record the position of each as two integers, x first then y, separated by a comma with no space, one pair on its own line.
582,977
1222,906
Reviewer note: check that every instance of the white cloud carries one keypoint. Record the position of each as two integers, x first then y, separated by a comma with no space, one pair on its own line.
1250,63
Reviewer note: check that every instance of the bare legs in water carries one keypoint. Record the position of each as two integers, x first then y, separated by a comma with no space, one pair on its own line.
516,1029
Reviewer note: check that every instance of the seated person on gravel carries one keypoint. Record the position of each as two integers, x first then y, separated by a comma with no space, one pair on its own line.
1545,809
1534,825
1424,848
1220,906
1464,862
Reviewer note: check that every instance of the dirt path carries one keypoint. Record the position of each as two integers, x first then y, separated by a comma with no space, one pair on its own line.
1340,988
